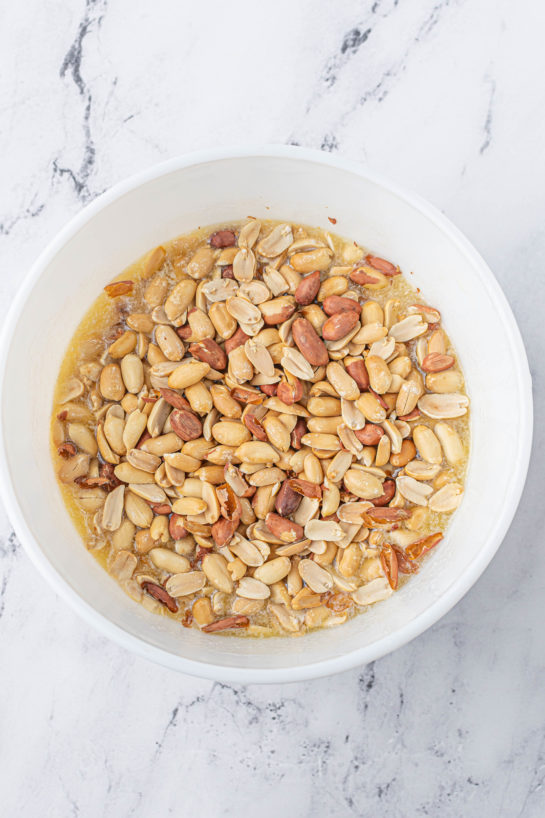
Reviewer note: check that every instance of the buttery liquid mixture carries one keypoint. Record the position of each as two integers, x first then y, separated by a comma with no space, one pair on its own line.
260,429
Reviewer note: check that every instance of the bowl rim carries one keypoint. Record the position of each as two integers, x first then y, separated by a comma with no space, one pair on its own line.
459,587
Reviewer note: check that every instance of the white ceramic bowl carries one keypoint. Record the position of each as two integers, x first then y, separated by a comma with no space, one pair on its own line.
302,186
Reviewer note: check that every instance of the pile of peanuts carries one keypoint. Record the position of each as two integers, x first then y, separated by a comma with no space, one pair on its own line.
270,435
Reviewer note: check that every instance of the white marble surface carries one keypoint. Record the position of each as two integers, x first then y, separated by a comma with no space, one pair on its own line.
445,97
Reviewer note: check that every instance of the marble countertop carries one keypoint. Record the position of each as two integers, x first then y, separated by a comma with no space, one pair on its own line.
444,96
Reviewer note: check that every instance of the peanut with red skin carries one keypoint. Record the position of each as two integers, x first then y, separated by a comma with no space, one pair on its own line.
383,265
357,370
370,434
309,343
436,362
176,527
185,424
363,277
210,352
290,393
307,289
269,389
339,325
299,430
162,596
174,399
236,340
336,303
237,621
306,488
287,500
223,530
286,530
222,238
389,489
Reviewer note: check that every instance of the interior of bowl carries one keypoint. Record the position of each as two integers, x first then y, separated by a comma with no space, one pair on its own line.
304,190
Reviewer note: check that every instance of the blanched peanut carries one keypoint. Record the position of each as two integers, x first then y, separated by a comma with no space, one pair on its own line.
111,383
202,611
224,323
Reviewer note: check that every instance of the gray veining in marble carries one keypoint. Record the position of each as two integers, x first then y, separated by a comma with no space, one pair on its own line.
444,96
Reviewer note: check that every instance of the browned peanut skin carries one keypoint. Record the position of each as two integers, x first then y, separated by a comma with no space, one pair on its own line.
436,362
284,529
223,530
384,266
290,393
280,315
336,303
287,500
185,424
229,622
236,340
358,371
223,238
307,290
255,426
364,277
159,593
370,434
339,325
269,389
210,352
174,399
389,488
185,332
299,430
309,343
306,488
407,453
176,527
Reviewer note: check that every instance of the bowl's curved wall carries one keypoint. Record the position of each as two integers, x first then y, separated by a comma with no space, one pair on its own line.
304,187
